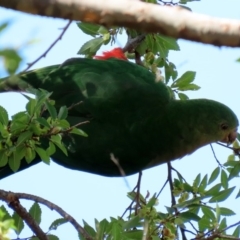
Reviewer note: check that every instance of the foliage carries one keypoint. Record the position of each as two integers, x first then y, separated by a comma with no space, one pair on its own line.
196,206
6,223
25,135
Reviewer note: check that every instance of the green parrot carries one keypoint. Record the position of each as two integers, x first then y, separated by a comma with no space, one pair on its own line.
134,123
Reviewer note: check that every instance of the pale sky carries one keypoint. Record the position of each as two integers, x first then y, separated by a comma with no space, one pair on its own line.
87,196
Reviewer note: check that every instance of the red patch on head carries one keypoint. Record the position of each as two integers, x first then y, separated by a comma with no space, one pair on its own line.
115,53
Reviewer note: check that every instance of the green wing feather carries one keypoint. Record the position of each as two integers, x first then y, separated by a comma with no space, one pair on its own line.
131,116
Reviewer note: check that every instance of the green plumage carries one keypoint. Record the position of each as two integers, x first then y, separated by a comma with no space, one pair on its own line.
131,116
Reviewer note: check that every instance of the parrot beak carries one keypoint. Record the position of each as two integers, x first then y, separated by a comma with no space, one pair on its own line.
230,138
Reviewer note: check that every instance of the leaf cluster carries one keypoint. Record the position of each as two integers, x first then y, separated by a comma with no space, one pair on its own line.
38,131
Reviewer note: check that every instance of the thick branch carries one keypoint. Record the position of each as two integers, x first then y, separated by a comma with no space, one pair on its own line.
171,21
14,203
12,198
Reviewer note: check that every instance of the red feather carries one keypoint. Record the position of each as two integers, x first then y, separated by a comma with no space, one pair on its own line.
114,53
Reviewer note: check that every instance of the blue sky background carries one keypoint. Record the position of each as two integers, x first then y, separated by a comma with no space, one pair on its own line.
87,196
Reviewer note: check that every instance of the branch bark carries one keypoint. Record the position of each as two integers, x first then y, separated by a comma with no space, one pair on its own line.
171,21
13,203
12,199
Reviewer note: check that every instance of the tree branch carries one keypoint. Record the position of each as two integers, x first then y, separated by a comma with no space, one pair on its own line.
171,21
9,197
13,203
49,48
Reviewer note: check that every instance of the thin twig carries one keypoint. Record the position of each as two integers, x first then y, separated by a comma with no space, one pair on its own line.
121,170
162,188
136,198
171,183
132,43
174,169
50,47
226,146
74,105
116,162
215,156
138,192
170,168
138,60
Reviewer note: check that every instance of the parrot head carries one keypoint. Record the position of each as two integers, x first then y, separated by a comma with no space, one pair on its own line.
223,123
114,53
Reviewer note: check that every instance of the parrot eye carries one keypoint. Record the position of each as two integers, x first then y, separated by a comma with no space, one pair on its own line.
224,126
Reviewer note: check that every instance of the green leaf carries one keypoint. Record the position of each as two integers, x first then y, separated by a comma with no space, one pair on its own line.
184,80
18,222
91,47
3,116
89,28
63,112
56,223
151,43
235,170
226,211
191,87
183,96
42,96
36,212
185,7
214,190
89,229
223,195
11,60
142,47
189,216
14,162
223,225
161,48
238,195
102,30
132,223
78,132
169,43
23,137
204,223
152,201
5,213
51,149
136,234
101,229
116,231
30,154
64,124
43,155
170,71
203,184
236,232
224,179
43,122
214,175
51,109
56,139
197,181
217,210
187,187
30,107
52,237
208,212
3,26
3,158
